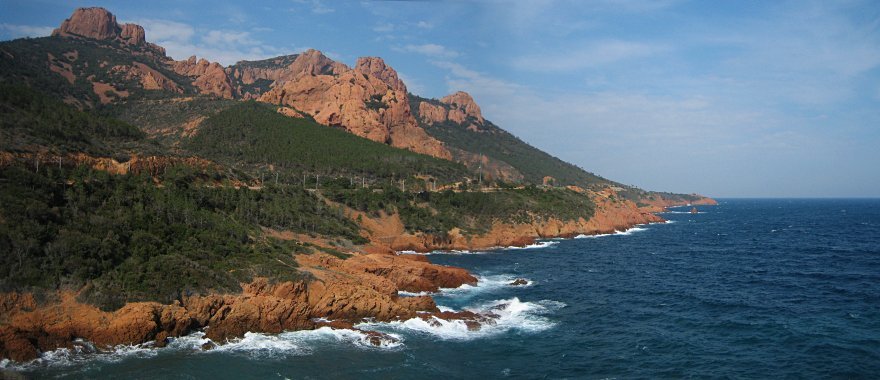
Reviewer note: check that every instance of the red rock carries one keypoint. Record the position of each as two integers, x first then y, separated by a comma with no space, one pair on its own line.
99,24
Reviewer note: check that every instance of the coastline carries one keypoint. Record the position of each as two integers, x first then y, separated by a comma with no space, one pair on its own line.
342,292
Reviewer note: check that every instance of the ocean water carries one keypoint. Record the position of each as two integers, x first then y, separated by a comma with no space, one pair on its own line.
746,289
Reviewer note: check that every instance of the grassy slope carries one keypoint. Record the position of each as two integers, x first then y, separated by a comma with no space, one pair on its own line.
254,133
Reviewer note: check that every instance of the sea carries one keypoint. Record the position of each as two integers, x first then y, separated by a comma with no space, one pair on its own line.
750,288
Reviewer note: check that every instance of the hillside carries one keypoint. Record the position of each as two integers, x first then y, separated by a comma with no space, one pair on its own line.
264,196
256,134
472,135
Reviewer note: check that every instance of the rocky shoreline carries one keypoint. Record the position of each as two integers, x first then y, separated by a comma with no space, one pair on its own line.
342,293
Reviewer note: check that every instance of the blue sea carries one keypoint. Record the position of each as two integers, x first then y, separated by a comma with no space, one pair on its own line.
750,288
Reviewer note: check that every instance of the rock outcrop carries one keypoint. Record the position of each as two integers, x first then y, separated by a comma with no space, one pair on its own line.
95,23
459,108
376,67
368,101
99,24
208,77
346,291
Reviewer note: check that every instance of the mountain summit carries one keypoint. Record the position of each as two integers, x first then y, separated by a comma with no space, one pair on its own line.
99,24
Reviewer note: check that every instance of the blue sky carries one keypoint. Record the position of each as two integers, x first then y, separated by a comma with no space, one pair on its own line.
726,98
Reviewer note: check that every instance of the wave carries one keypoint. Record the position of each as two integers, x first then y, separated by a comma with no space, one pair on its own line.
83,352
258,345
503,316
445,252
296,343
484,283
404,293
626,232
540,244
487,283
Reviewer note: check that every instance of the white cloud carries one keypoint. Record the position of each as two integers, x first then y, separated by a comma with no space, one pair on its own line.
228,38
431,50
474,82
19,31
164,30
424,25
592,55
182,40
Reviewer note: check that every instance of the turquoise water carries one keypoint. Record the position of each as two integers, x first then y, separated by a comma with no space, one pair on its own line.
746,289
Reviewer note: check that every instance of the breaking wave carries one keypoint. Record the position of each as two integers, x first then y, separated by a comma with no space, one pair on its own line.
83,352
484,283
626,232
502,316
257,345
540,244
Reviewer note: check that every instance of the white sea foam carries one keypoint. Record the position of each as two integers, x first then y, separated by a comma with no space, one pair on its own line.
506,315
631,231
404,293
83,352
540,244
484,283
294,343
487,283
626,232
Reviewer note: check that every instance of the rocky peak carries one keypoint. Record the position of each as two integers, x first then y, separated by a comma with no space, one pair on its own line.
313,62
465,103
459,108
98,23
375,66
208,77
133,34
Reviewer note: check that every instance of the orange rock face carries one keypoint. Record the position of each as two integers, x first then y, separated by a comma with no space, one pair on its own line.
459,108
208,77
368,101
347,290
100,24
375,66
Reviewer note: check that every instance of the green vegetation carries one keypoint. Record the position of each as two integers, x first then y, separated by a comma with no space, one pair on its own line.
167,116
29,119
500,145
26,61
253,133
473,212
132,240
268,63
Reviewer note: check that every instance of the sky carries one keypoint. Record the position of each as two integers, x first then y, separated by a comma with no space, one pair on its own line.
723,98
